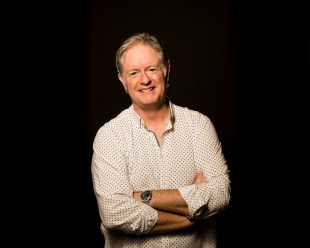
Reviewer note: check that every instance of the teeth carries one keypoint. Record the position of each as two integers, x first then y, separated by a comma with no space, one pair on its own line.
147,90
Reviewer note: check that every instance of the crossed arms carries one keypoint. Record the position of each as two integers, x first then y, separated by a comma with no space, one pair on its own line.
171,207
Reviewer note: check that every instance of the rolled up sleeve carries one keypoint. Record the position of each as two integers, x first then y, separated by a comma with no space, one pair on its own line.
207,199
213,196
117,208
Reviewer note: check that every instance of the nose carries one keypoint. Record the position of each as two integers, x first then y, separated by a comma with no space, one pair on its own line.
145,78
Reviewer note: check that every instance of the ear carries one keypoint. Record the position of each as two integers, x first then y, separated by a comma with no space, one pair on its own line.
123,81
167,73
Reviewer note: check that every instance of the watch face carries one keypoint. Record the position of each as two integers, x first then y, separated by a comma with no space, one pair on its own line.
146,196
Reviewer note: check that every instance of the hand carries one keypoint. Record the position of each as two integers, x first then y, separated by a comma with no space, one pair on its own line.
136,196
200,178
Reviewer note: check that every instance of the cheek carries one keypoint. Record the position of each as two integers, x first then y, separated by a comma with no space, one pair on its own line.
160,77
132,84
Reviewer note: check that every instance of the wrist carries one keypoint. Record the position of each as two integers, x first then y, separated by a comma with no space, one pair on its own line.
146,196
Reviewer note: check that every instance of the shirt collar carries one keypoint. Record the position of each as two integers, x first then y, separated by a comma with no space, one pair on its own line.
138,121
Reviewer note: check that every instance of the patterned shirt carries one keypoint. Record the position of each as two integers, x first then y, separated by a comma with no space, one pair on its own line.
128,158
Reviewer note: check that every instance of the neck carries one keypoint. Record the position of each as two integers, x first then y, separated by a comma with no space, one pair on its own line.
154,115
158,113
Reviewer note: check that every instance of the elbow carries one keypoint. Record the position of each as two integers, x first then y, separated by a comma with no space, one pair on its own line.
217,202
129,224
221,200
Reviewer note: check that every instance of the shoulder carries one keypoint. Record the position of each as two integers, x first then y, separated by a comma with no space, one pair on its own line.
116,125
194,115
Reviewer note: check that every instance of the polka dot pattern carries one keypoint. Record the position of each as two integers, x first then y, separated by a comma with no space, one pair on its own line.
127,158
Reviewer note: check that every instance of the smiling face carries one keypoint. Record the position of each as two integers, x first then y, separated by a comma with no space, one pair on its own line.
143,76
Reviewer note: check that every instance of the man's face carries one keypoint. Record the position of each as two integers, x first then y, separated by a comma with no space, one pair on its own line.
143,77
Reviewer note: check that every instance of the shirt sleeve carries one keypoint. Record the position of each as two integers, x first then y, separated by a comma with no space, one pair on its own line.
117,208
213,196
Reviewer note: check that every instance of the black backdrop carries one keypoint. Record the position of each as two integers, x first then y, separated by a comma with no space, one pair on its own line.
245,65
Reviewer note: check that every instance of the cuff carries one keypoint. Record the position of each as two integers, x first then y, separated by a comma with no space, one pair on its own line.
191,195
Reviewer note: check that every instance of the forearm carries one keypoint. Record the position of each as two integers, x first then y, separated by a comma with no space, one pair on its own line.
169,200
169,222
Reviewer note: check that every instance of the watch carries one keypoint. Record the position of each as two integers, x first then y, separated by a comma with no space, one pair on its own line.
146,196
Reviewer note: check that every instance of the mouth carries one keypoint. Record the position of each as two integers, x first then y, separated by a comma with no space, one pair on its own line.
147,90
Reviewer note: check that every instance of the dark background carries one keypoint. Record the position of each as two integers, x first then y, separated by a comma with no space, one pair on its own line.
245,65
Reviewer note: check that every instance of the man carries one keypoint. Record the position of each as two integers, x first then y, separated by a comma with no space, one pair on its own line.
159,173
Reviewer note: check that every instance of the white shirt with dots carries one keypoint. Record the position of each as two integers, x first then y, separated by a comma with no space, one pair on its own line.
127,158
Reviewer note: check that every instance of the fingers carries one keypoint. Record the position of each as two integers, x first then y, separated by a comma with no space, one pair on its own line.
200,178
